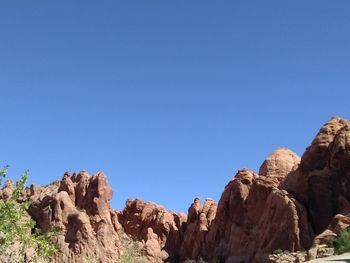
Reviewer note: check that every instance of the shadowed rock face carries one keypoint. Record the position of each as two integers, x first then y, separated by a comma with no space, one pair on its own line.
292,204
200,218
325,173
159,231
251,214
78,206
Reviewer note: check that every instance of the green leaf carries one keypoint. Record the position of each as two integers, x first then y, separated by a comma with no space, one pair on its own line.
16,227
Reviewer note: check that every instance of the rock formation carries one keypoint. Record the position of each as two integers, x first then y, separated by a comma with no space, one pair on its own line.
279,164
251,215
293,204
78,207
159,231
200,218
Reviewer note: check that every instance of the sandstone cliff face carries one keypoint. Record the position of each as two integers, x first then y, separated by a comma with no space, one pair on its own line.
200,218
251,215
159,231
78,206
292,204
324,174
279,164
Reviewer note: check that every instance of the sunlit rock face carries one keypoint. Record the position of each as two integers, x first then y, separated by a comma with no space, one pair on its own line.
159,231
200,218
284,207
78,207
292,203
250,215
279,164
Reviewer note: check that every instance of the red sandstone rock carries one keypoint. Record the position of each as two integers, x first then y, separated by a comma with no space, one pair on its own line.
317,154
158,230
249,219
279,164
78,207
7,190
199,221
284,207
324,177
322,240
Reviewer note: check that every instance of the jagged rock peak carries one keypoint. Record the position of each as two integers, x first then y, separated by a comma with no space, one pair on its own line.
317,154
291,204
78,207
158,230
245,176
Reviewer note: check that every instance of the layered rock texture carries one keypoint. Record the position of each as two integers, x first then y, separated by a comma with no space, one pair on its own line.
78,207
292,203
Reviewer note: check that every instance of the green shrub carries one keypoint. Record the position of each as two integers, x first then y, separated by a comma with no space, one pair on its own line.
19,238
201,260
278,251
131,252
341,243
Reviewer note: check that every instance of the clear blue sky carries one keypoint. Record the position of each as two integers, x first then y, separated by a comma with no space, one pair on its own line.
168,98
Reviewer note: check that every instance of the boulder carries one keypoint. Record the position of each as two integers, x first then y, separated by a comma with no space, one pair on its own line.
279,164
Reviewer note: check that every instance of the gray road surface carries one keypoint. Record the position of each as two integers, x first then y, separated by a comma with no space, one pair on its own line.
344,258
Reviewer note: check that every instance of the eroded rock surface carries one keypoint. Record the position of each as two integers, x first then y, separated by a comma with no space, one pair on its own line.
324,169
200,218
292,204
279,164
78,207
251,214
159,231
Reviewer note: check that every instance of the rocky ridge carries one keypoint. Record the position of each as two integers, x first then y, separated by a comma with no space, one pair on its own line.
292,204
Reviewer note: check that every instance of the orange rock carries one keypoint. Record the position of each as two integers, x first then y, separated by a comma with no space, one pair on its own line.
279,164
293,204
159,230
78,207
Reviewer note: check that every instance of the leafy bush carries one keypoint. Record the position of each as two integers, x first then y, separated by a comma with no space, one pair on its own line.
341,243
20,240
278,251
131,252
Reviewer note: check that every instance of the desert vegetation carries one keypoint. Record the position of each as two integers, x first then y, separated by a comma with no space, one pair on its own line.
131,252
341,243
20,240
79,206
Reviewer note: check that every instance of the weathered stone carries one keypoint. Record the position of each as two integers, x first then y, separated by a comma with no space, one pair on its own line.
158,229
279,164
293,204
78,207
